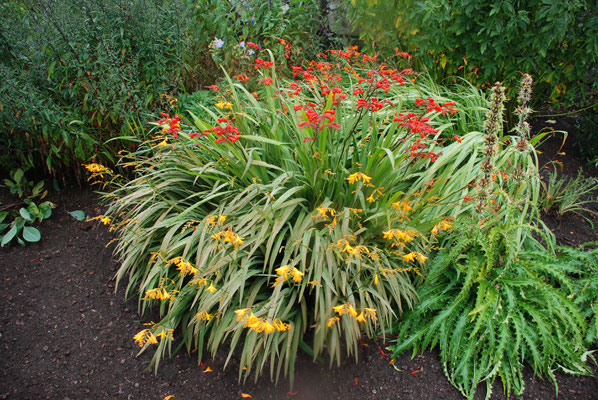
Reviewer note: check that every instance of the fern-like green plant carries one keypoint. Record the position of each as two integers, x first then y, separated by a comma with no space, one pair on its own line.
493,302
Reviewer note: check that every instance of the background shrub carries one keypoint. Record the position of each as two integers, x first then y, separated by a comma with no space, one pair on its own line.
77,76
555,41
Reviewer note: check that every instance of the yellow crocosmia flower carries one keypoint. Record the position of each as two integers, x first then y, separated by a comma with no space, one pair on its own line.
376,279
351,311
240,313
198,281
332,321
139,337
221,219
388,234
163,143
283,271
340,309
360,317
370,312
211,220
322,212
151,338
251,320
217,236
211,288
314,283
169,397
164,334
203,316
106,220
268,327
402,206
358,176
409,257
349,249
297,275
371,198
420,257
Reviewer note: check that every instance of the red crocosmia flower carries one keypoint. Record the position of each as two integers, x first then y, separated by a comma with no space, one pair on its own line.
170,125
221,120
267,81
242,77
458,139
295,88
297,71
259,64
401,54
309,139
298,107
252,45
227,134
357,91
408,71
319,122
448,107
214,88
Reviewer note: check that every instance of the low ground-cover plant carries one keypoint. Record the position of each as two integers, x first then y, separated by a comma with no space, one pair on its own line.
307,209
16,217
561,195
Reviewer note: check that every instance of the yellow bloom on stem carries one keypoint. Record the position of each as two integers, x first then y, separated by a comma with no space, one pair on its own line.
140,337
376,279
441,226
151,338
420,257
204,316
409,257
402,206
106,220
268,327
297,275
371,198
339,309
351,311
360,317
358,176
283,271
240,313
332,321
211,288
370,312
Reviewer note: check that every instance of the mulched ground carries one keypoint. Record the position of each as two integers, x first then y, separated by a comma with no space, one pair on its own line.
66,334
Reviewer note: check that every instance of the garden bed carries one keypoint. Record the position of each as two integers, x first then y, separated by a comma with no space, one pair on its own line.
66,334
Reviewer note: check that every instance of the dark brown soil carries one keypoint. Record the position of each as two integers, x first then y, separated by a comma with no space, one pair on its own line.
66,334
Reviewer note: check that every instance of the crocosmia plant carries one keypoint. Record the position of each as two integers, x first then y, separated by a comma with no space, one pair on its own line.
303,212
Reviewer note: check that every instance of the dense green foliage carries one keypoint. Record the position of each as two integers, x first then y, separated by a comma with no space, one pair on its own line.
487,41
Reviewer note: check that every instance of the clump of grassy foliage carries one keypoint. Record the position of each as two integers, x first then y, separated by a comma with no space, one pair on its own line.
305,209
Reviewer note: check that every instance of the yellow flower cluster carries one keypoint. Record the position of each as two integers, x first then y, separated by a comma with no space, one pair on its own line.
377,192
348,309
228,236
224,105
414,255
356,251
183,266
260,324
323,212
144,337
97,169
160,294
402,206
358,176
285,272
204,316
441,226
213,220
400,237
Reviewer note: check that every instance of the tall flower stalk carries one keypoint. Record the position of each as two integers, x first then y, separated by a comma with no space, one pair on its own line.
492,129
523,111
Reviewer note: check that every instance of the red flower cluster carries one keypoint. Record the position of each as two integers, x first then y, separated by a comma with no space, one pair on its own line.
325,91
375,105
415,124
431,105
267,81
242,77
214,88
316,120
259,64
227,134
170,124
